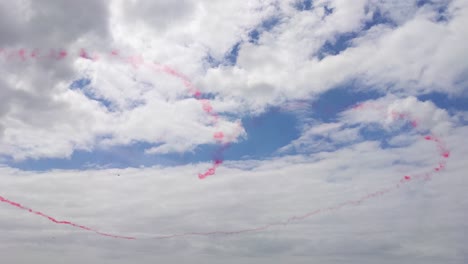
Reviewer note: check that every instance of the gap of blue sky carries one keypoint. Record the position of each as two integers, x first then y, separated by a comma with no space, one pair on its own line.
266,133
83,85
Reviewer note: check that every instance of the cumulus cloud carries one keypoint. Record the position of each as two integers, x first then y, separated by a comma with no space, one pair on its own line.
403,58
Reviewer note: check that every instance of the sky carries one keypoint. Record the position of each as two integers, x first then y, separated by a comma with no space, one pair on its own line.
259,131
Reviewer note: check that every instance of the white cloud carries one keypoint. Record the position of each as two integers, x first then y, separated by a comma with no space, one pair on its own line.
389,113
406,58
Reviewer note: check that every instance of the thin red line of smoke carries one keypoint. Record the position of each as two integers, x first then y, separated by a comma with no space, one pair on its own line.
444,154
61,222
136,61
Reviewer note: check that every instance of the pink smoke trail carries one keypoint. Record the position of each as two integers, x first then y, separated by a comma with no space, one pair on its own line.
444,153
137,61
207,107
404,180
15,204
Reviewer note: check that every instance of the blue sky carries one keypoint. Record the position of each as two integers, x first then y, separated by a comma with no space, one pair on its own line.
266,133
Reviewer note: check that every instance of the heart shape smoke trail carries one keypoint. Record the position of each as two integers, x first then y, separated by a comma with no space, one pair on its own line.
444,154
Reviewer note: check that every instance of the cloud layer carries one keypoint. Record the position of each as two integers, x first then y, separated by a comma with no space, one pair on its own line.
175,77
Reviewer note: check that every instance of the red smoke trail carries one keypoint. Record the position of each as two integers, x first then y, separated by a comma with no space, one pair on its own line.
137,61
444,153
288,220
207,107
22,54
404,180
4,200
